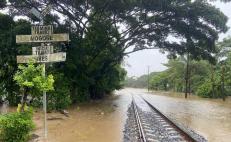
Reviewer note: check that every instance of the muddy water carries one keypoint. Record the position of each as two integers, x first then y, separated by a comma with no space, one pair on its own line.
100,121
210,118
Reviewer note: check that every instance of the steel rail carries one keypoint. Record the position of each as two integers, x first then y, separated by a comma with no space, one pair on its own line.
185,134
137,117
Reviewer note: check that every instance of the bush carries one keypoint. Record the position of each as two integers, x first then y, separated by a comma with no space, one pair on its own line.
205,90
16,127
59,98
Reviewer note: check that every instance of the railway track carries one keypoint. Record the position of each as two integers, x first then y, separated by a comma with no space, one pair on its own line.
153,126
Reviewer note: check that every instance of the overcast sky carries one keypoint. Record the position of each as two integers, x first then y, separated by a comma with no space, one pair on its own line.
137,63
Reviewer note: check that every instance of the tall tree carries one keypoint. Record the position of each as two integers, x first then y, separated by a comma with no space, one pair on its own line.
8,52
103,32
31,77
146,24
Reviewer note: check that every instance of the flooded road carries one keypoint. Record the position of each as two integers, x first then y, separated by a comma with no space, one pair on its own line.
103,121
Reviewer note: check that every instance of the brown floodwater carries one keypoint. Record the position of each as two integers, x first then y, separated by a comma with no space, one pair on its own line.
98,121
208,117
103,121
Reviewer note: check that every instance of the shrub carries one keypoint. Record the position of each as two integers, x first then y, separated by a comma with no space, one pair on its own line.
205,90
16,127
59,98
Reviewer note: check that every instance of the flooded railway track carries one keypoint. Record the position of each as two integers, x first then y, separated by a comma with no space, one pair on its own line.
153,126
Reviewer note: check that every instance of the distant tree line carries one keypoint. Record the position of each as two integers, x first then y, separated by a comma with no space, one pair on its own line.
138,82
187,75
199,77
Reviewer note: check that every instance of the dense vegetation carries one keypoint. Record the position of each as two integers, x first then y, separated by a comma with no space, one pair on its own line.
138,82
134,82
199,77
102,33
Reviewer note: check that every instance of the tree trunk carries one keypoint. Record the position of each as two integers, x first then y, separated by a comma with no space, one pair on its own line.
24,98
189,86
189,77
73,93
186,88
223,83
212,80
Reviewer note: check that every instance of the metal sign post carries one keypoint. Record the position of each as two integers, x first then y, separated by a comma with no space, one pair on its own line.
44,95
42,54
45,104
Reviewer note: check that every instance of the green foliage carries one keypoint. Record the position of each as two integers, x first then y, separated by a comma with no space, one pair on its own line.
8,53
202,81
147,24
205,79
59,98
30,76
27,109
140,82
93,67
159,81
205,90
210,89
16,127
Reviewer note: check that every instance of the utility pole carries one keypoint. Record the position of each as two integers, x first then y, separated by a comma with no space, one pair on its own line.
187,77
212,80
148,77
